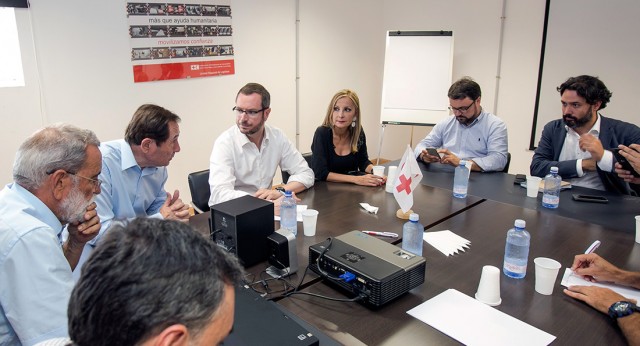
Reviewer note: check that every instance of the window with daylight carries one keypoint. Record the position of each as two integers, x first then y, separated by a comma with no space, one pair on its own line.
11,74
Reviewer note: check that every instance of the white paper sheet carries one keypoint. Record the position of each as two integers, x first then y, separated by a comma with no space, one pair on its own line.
299,209
569,279
474,323
446,241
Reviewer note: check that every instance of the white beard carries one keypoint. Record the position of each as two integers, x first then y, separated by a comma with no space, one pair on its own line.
74,206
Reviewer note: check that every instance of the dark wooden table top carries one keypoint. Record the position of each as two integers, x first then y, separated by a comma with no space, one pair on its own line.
485,225
340,212
618,214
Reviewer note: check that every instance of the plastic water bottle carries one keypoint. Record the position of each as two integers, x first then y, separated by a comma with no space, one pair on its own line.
288,214
516,251
461,180
551,195
412,232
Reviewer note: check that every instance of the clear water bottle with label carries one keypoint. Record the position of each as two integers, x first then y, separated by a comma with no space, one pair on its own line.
288,214
461,180
412,232
551,195
516,251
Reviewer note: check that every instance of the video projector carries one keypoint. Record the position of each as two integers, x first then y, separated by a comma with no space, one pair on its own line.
368,266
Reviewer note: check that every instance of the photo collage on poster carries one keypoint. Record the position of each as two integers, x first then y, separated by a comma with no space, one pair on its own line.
179,30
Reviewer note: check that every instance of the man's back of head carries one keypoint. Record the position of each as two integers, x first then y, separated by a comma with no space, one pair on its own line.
147,277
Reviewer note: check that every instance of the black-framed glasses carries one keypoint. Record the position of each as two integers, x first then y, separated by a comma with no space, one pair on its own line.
249,112
462,109
95,182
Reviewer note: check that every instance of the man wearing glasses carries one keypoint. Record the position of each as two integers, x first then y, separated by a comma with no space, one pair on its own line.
134,172
470,134
245,157
580,143
55,179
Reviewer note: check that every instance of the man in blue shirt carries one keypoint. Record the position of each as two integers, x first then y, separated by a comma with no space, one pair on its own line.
471,134
55,179
134,172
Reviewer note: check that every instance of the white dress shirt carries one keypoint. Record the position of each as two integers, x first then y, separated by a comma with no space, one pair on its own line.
571,151
238,167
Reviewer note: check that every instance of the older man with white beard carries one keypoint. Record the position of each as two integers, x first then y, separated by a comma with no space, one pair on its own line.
55,179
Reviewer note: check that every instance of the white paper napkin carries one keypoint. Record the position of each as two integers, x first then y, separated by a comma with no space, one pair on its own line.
446,241
371,209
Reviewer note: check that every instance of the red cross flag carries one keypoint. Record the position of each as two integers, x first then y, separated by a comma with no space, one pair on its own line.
408,177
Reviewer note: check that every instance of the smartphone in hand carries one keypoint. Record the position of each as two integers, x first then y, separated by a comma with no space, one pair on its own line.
433,152
623,161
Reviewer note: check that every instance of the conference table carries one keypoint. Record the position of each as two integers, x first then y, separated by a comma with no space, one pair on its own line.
483,217
340,212
617,214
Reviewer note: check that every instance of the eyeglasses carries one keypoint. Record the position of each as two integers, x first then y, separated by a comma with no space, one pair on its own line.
249,112
462,109
96,182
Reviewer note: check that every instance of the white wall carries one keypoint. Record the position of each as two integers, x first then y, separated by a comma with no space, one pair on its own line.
85,73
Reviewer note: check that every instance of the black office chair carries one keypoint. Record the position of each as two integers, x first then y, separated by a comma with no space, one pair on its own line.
200,190
286,175
506,167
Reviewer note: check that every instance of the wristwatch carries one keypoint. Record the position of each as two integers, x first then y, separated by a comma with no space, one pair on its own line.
622,308
281,189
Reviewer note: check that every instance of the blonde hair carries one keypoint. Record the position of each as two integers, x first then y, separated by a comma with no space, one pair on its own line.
355,131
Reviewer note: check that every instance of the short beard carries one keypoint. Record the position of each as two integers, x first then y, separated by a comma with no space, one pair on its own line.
74,206
575,123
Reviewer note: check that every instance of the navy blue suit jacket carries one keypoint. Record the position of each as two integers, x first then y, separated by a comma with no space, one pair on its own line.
612,133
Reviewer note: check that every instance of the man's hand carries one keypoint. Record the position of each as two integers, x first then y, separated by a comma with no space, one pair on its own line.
273,195
595,268
424,156
632,154
592,144
589,165
449,158
268,194
626,175
174,209
599,298
82,232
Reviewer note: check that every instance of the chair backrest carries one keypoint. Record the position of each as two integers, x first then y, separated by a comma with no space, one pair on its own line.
200,190
286,175
506,167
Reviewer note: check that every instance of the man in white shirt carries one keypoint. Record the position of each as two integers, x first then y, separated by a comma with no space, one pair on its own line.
245,157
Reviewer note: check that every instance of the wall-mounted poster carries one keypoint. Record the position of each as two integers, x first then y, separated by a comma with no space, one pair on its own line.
180,40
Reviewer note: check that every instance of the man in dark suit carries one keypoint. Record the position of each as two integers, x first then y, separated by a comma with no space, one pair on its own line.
579,144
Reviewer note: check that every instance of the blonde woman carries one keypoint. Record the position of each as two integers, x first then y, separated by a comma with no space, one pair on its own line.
340,146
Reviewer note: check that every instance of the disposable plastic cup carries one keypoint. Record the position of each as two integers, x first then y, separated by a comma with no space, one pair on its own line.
309,222
533,183
489,287
391,176
378,170
638,229
546,273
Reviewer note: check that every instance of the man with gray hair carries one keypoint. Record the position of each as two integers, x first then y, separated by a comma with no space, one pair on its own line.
55,179
154,282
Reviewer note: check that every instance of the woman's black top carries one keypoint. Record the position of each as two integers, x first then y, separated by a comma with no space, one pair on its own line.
326,160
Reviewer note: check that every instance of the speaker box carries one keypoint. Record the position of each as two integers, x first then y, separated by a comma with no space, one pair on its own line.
283,256
241,226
